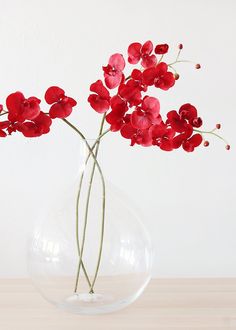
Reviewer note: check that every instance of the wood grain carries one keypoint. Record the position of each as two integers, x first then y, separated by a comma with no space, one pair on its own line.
166,304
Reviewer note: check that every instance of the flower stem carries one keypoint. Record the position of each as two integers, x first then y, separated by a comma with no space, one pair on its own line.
87,207
102,235
175,71
77,217
182,61
99,169
161,58
177,57
212,133
77,237
4,113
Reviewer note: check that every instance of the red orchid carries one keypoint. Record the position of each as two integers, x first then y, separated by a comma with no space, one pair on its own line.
20,108
147,114
194,141
100,101
39,126
136,51
179,139
176,122
161,49
62,105
116,118
162,136
136,136
130,92
189,112
183,122
159,76
137,78
113,72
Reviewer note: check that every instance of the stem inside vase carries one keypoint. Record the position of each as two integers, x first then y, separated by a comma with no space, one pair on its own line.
81,248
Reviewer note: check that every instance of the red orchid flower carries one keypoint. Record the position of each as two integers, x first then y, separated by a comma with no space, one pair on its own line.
190,144
176,121
179,139
100,101
159,76
189,112
146,114
162,136
113,72
130,93
136,51
61,104
137,136
187,116
20,108
39,126
137,78
116,118
183,123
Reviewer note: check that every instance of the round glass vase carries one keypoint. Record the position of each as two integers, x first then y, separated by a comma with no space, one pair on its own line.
90,253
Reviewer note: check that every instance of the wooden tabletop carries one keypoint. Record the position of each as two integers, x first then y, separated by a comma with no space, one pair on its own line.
166,304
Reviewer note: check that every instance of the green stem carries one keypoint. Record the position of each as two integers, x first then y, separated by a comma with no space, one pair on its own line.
77,236
99,169
77,216
99,255
172,68
177,57
87,207
212,133
182,61
161,58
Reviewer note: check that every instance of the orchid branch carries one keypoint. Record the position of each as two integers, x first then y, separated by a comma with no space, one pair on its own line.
212,132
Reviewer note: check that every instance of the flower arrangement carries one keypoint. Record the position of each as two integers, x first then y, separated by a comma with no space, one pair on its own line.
129,110
144,125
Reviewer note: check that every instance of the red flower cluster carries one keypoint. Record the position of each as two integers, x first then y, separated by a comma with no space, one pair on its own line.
25,115
171,134
137,116
130,111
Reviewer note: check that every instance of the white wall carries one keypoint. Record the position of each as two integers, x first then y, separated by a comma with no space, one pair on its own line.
188,199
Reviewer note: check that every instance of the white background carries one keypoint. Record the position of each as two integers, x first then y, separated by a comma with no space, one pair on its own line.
188,199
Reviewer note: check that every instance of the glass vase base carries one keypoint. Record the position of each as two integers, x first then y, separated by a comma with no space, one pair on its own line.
90,304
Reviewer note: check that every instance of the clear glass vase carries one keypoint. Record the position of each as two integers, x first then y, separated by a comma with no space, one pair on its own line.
83,262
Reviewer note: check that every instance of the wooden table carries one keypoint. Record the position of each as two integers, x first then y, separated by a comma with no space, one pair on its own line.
166,304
